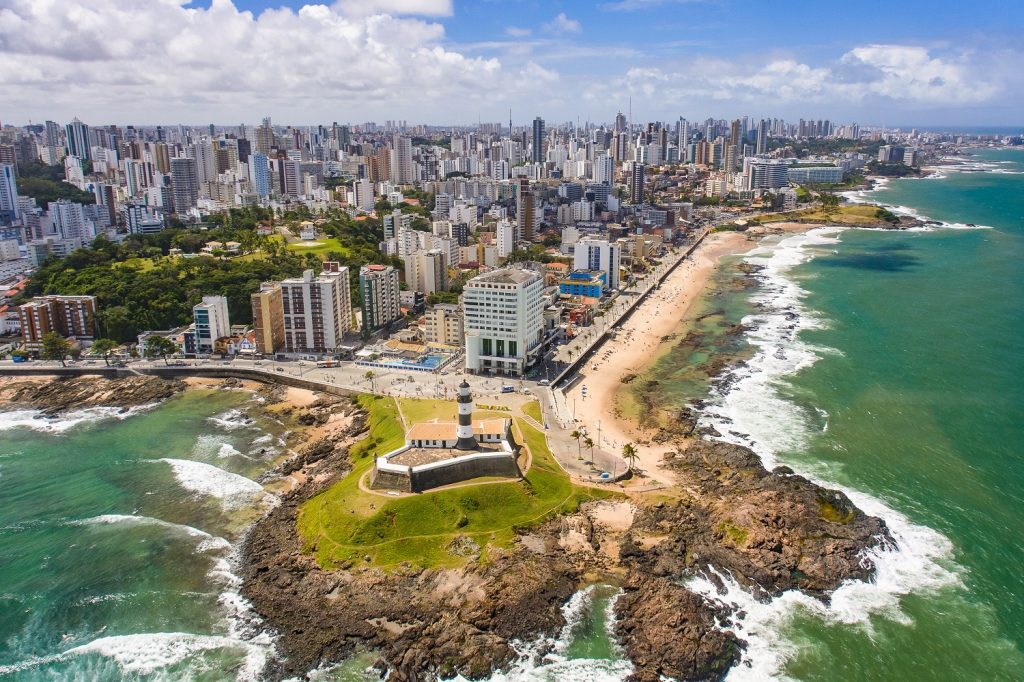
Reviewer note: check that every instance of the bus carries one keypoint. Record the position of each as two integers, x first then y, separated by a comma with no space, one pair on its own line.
326,363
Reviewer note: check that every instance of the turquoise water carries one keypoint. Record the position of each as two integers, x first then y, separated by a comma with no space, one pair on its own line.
116,541
903,383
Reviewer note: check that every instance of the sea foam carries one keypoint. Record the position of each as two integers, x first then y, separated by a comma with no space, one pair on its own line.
232,490
746,408
38,420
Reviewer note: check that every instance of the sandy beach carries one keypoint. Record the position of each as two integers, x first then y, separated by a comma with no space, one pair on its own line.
638,342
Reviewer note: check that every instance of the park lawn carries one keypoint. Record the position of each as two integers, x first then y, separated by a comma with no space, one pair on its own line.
416,410
532,410
321,246
344,524
140,264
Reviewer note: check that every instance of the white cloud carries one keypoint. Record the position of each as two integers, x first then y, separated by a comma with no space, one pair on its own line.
878,76
517,32
162,61
422,8
562,24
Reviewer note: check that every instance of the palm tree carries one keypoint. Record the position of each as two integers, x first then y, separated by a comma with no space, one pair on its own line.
589,443
369,377
104,347
577,435
629,454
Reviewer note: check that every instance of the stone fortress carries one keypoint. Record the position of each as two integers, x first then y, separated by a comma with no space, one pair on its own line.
441,453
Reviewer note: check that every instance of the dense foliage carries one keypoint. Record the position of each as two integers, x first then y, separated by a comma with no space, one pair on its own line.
138,288
46,183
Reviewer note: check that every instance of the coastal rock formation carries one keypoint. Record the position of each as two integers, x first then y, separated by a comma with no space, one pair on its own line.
771,531
66,393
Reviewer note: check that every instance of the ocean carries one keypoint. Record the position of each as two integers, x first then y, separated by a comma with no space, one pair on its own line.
889,364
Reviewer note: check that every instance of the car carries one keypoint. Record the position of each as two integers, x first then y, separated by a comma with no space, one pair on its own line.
280,369
543,382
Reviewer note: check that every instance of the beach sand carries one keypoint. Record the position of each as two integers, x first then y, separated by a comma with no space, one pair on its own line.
638,342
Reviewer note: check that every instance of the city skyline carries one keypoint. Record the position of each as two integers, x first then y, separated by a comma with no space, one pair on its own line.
441,62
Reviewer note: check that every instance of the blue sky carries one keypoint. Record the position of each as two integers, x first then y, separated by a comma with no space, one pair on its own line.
454,61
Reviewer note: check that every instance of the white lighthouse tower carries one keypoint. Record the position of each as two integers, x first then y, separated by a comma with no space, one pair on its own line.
465,429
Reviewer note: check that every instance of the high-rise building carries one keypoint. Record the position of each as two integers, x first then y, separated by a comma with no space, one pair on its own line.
259,171
70,316
636,183
538,140
185,184
444,325
599,254
604,169
762,137
211,320
265,137
268,318
505,238
378,288
8,195
426,271
317,310
402,171
503,323
77,137
526,216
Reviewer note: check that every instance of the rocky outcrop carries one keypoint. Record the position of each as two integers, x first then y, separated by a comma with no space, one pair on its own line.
66,393
771,531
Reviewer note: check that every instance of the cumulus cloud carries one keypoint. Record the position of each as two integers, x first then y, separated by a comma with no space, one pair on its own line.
133,60
891,75
562,24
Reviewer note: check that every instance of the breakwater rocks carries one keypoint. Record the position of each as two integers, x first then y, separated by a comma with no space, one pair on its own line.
772,531
68,393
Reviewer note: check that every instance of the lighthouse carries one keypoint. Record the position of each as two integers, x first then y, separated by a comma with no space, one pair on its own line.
465,429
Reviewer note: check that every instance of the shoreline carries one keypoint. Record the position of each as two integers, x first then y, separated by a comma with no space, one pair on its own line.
646,336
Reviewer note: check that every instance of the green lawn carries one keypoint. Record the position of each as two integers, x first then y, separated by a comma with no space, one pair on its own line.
346,524
532,410
321,246
141,264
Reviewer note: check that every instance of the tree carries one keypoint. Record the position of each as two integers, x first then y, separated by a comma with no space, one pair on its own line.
577,435
369,376
588,442
55,347
103,347
629,454
160,346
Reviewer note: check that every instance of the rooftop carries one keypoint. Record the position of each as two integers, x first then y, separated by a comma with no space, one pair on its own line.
507,276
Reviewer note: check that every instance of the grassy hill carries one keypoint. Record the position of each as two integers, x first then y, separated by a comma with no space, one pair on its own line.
346,524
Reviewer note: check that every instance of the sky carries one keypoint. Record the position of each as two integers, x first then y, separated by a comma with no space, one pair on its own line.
448,62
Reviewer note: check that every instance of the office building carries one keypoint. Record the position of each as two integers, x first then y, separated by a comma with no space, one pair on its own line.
211,321
378,288
444,325
317,310
268,318
77,139
259,171
766,174
599,254
504,323
72,317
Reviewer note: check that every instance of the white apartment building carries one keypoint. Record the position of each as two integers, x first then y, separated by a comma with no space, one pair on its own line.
317,310
505,237
503,321
426,271
381,302
599,254
444,325
212,323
